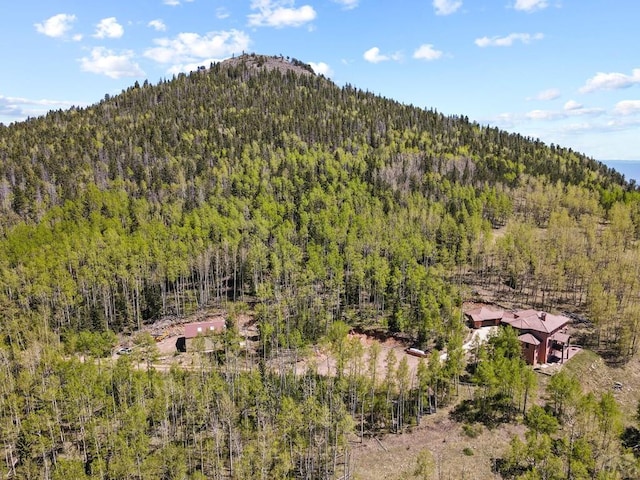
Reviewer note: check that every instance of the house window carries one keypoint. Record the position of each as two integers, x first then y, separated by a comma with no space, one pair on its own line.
199,329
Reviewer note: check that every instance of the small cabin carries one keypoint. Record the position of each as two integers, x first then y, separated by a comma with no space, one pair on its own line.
197,332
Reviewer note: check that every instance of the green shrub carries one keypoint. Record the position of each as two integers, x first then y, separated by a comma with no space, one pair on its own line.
471,431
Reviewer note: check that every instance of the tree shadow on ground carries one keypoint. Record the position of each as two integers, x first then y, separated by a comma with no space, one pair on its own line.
631,440
490,411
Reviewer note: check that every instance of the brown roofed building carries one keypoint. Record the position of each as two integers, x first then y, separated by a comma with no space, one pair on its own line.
192,330
484,317
205,330
542,335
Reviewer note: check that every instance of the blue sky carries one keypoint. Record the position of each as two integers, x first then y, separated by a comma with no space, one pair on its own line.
564,71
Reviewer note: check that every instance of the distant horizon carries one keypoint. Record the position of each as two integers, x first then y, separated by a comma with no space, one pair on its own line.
620,160
629,168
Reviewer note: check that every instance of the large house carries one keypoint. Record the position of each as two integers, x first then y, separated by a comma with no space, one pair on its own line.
543,336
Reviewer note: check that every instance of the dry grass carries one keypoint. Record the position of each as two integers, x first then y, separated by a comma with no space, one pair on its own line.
597,377
455,454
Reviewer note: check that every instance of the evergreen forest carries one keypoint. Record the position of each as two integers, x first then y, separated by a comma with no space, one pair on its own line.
254,184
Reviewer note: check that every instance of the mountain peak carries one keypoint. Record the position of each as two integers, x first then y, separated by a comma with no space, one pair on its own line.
267,62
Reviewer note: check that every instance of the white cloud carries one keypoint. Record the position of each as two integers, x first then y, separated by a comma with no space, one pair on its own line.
530,5
581,127
190,67
572,105
509,40
373,55
348,4
20,108
77,37
105,62
594,112
27,101
191,48
544,115
446,7
157,24
570,109
427,52
321,68
280,13
614,125
56,26
174,3
506,119
8,109
222,13
611,81
549,94
627,107
109,28
623,123
574,108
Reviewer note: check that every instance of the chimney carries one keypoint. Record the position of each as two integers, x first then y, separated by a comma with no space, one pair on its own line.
543,316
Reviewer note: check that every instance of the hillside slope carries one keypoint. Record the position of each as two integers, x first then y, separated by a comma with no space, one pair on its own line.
252,177
151,137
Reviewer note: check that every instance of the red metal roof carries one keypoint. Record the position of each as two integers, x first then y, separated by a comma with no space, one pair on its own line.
194,329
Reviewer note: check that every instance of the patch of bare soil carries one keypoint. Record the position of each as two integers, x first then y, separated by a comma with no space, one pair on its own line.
324,364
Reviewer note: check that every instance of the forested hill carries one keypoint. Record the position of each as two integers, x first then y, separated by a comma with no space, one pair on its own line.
255,178
181,140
